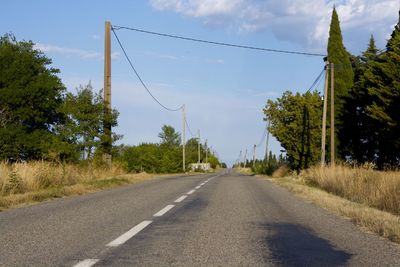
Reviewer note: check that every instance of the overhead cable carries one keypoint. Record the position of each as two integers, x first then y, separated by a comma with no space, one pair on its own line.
138,76
218,43
190,131
317,80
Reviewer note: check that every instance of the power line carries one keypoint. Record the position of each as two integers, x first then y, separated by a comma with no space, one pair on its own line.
218,43
317,81
138,76
263,137
190,131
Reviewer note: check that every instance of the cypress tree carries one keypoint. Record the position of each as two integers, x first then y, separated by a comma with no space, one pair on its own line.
344,74
382,78
356,136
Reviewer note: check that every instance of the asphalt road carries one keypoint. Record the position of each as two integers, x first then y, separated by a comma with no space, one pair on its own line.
222,219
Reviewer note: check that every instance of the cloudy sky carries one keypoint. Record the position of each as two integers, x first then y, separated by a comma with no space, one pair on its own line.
223,88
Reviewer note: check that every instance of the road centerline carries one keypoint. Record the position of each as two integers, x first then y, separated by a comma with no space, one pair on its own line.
191,192
181,198
86,263
164,210
126,236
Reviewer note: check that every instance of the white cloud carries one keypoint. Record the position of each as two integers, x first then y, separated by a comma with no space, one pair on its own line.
301,21
84,54
95,37
73,52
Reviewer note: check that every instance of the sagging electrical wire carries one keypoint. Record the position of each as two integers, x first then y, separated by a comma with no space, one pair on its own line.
140,79
218,43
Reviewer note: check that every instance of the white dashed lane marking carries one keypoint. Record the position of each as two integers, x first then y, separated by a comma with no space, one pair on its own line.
86,263
191,192
164,210
180,198
125,237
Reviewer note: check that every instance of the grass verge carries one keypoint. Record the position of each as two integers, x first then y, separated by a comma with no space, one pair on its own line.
383,223
27,183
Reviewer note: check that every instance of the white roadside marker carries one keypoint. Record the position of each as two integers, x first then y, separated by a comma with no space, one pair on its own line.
86,263
191,192
180,198
125,237
164,210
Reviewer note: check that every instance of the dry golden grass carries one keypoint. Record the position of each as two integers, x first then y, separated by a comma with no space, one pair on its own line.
282,171
376,189
244,170
380,222
23,183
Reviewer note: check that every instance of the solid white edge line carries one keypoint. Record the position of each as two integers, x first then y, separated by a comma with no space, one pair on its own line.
164,210
197,187
180,199
191,192
132,232
86,263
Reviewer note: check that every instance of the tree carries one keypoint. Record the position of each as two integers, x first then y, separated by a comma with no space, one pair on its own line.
357,137
343,71
296,124
84,120
382,80
30,97
169,136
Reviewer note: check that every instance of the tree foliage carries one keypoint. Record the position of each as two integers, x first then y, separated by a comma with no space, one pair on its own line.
296,124
343,72
84,120
30,97
165,156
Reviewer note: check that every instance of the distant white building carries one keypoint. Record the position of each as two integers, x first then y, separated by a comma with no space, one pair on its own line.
200,166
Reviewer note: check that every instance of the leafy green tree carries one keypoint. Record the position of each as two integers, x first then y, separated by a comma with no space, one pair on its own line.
296,124
30,97
169,136
84,120
343,71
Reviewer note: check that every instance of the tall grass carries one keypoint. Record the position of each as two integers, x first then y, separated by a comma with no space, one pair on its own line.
376,189
28,177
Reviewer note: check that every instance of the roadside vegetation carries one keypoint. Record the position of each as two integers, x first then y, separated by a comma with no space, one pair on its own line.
365,185
377,189
367,96
35,181
52,140
368,198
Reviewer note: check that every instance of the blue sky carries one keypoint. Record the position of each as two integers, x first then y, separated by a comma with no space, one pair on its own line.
224,89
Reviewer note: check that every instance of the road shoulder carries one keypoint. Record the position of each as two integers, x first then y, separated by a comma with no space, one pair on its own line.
371,220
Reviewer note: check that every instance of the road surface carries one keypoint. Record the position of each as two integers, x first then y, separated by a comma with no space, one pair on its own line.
223,219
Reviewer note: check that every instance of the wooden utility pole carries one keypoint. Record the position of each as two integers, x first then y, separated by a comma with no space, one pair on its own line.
266,146
107,142
183,138
254,156
245,158
198,145
240,158
206,152
332,115
323,137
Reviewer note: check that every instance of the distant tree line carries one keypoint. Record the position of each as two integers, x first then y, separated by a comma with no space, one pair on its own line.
367,100
165,156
